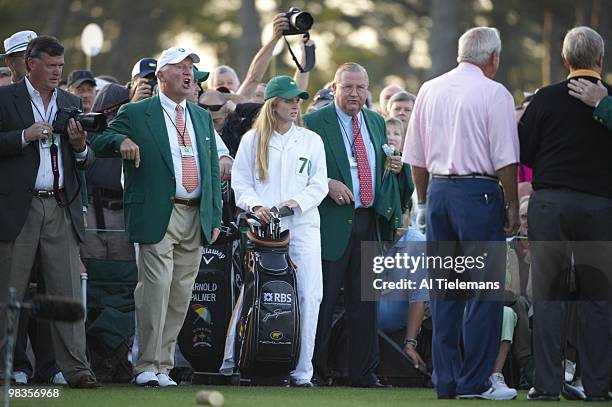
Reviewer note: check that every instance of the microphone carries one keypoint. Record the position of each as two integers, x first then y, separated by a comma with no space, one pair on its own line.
55,308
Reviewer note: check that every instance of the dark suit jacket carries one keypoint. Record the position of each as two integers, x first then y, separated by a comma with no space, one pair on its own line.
19,165
336,220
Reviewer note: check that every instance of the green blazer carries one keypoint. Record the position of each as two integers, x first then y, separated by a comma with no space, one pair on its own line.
337,220
603,112
149,190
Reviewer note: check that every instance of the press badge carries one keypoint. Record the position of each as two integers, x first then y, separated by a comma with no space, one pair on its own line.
353,162
186,151
46,142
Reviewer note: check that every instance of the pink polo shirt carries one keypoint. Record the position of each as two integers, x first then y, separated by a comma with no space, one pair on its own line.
462,123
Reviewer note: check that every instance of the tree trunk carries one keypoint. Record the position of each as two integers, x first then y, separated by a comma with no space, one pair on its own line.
60,12
250,42
444,34
552,42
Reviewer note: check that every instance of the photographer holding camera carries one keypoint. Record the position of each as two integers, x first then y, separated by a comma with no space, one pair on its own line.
38,209
143,79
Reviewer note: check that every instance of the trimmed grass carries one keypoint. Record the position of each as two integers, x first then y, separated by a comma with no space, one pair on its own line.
115,395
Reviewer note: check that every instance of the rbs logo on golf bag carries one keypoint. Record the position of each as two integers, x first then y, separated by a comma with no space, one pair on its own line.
277,298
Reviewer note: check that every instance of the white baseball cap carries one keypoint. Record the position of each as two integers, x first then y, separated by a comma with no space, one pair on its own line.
18,42
175,55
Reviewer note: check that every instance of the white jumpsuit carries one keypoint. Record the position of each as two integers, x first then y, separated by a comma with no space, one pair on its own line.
296,170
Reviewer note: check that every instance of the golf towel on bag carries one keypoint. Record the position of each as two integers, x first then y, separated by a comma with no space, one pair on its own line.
264,333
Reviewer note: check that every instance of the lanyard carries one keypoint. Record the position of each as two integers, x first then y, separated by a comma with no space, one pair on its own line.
47,119
181,135
345,134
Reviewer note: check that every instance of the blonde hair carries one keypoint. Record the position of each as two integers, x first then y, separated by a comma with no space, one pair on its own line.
265,124
392,121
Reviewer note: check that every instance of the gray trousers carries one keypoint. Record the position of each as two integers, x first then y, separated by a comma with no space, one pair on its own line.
571,231
48,230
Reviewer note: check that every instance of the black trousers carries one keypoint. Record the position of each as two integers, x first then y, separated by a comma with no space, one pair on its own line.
361,315
39,333
570,238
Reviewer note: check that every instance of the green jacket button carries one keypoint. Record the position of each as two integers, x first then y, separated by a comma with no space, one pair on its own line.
350,221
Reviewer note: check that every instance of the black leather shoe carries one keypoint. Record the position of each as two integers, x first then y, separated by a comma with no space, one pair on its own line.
376,385
535,395
86,381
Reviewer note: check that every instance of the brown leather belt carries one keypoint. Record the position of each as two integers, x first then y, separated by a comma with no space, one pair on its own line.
39,193
187,202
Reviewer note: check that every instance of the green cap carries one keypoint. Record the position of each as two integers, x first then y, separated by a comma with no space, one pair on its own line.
199,76
283,87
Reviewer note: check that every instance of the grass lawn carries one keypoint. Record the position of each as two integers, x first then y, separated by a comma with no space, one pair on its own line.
112,395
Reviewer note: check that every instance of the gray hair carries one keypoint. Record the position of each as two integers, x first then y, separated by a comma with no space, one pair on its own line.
350,67
402,96
582,48
477,44
220,70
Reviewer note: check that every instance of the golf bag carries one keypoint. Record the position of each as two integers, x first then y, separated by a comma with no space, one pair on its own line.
202,337
268,329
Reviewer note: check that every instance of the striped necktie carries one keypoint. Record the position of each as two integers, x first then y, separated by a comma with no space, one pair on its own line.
190,170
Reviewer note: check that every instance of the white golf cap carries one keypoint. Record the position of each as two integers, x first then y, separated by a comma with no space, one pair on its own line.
18,42
175,55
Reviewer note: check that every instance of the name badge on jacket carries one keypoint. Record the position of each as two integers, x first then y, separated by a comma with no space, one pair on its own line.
186,151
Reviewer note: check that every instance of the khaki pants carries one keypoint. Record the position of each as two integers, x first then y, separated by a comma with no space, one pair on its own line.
48,231
166,273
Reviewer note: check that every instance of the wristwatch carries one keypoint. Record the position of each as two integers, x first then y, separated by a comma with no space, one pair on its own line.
410,341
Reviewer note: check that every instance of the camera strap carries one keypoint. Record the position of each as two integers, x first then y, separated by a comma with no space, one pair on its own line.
56,175
310,56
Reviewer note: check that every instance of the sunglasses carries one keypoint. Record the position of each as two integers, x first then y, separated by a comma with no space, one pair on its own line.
212,108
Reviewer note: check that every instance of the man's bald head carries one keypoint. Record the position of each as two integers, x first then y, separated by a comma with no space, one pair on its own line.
212,97
216,104
385,95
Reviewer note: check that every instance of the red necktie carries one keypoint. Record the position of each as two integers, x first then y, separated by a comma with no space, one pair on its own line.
190,170
363,166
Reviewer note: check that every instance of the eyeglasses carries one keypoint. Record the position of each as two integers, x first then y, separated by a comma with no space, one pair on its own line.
212,108
351,88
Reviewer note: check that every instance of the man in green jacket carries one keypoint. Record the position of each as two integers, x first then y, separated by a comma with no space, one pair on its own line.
172,200
353,138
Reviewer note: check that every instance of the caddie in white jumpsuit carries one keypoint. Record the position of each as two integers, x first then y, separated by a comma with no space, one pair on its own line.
297,175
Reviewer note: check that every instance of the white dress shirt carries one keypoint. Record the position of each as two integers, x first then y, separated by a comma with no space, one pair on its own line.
44,178
169,108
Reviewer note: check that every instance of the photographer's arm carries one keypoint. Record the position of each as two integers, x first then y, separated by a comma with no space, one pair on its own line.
262,59
302,78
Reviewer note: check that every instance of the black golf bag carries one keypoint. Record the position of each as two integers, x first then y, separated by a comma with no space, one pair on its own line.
202,337
268,330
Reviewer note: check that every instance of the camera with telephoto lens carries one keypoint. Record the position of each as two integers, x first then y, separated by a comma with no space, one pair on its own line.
300,21
152,82
93,122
